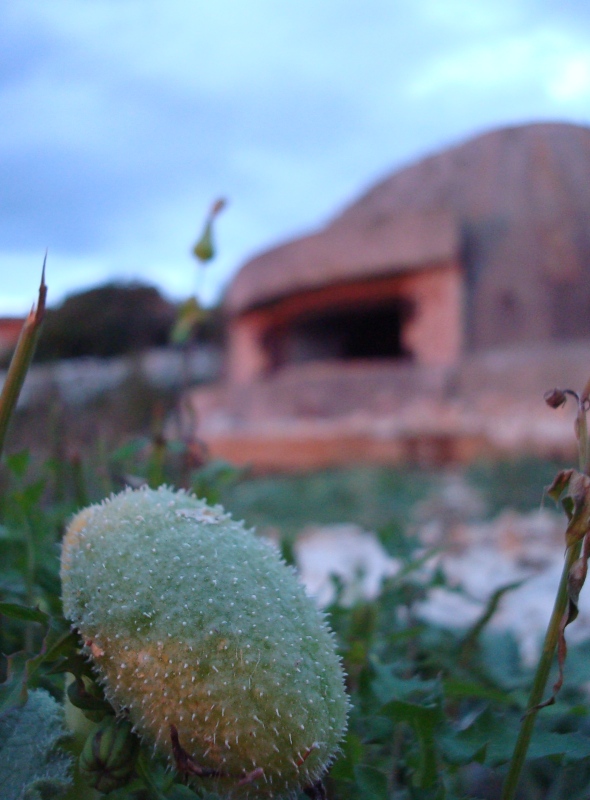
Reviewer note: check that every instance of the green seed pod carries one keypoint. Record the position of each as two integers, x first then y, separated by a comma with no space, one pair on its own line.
207,639
204,249
108,758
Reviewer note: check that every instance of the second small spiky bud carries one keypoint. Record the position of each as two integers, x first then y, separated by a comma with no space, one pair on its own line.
108,758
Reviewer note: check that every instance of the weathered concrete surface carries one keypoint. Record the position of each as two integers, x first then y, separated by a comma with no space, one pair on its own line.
315,415
367,247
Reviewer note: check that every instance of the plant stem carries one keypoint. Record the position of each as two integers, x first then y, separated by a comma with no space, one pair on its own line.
583,442
143,770
541,675
552,635
30,584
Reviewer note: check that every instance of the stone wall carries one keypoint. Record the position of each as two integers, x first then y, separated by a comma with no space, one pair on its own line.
78,381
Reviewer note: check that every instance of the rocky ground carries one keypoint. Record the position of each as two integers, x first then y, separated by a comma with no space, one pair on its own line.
476,557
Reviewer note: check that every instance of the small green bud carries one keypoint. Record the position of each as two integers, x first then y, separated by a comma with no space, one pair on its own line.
207,640
204,249
108,758
87,696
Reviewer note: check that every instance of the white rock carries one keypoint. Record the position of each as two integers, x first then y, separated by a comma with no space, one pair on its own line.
347,551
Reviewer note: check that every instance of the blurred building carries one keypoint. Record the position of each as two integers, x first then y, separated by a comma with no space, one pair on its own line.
10,328
463,277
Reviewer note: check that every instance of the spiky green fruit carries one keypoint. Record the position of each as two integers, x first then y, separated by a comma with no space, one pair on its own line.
196,626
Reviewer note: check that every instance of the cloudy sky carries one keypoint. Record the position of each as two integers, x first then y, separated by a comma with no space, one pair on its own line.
121,120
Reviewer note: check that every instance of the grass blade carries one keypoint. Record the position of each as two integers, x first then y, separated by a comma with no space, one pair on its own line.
21,360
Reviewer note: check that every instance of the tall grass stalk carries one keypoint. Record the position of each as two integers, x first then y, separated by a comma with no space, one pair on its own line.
21,360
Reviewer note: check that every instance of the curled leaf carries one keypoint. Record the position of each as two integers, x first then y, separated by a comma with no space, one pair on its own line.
573,489
556,398
559,485
190,314
585,392
575,581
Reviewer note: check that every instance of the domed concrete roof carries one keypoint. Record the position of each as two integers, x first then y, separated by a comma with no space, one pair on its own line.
369,246
512,205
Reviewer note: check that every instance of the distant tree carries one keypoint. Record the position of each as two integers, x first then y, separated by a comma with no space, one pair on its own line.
109,320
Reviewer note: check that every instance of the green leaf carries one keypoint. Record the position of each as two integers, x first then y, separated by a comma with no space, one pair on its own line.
372,782
395,541
79,696
376,729
71,660
493,736
24,613
424,720
471,637
144,769
471,690
213,477
500,659
387,686
572,746
10,535
32,493
352,753
129,449
18,463
135,790
179,792
437,793
30,766
489,739
190,314
460,750
21,669
59,643
13,692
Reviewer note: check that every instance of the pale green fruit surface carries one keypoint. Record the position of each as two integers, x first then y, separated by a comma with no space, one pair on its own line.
193,621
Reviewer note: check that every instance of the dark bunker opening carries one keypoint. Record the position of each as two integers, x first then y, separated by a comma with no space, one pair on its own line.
345,333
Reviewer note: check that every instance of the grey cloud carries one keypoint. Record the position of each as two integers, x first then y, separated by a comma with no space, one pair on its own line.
305,112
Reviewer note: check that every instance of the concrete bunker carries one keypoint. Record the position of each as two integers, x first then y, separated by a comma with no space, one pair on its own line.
393,294
389,324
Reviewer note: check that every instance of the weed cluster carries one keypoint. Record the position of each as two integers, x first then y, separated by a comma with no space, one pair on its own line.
434,713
